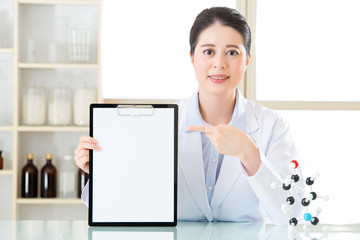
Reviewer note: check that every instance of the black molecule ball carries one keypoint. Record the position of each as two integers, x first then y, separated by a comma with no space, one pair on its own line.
295,177
305,202
293,222
290,200
286,187
309,181
314,195
314,221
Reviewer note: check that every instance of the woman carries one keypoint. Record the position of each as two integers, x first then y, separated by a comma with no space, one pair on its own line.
230,149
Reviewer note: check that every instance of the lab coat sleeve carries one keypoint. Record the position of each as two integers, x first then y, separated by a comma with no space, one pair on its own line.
276,152
85,194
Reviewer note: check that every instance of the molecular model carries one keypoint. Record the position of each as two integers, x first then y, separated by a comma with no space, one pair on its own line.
305,202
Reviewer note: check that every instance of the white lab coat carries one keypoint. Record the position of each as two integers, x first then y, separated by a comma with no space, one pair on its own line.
236,197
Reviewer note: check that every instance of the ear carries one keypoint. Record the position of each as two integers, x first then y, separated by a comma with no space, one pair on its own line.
248,59
191,57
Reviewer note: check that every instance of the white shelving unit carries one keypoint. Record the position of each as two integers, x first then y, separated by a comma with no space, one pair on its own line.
6,50
48,24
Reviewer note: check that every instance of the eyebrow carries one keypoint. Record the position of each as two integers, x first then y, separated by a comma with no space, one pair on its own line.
213,45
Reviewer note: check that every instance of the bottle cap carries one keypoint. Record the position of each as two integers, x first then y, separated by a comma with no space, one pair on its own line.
30,156
48,156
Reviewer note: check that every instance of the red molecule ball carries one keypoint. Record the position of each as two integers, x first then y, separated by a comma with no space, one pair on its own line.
296,163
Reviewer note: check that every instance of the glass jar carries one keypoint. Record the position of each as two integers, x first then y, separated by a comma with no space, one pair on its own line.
83,97
67,178
6,83
34,106
59,108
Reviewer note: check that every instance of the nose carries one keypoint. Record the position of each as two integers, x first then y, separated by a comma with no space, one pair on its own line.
219,61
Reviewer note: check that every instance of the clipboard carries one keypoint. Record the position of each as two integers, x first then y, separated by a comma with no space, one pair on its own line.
133,178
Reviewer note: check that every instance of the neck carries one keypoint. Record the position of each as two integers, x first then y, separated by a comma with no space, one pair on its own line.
216,109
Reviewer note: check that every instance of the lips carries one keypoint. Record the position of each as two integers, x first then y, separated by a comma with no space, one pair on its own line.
218,78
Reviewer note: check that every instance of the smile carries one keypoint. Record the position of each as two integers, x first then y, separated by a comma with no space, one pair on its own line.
218,78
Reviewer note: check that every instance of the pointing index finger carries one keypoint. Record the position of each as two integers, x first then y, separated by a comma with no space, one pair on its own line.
201,128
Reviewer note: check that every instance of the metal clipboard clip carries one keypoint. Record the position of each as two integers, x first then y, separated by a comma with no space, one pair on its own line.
135,110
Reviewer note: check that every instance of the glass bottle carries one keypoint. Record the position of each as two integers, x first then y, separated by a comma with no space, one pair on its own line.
29,179
48,179
83,177
67,178
34,106
59,108
31,50
79,45
1,161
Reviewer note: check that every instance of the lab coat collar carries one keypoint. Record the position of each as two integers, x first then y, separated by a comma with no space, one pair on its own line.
240,119
193,116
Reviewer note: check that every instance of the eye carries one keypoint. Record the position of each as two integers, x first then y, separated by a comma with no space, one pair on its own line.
208,52
232,53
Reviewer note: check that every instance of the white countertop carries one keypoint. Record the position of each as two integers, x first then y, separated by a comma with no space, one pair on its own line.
79,230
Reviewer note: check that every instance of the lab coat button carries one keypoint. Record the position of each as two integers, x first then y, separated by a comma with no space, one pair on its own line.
210,188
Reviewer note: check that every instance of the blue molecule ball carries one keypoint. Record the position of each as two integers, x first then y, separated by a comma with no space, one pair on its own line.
307,216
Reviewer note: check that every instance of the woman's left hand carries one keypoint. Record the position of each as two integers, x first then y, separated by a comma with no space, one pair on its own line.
229,140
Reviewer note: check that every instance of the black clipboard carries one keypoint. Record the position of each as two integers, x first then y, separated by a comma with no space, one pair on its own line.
133,178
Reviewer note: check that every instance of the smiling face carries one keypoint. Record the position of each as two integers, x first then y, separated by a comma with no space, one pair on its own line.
219,59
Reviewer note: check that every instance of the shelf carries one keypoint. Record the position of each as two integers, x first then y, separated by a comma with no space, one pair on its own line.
48,201
52,129
6,128
6,172
6,50
57,65
58,2
46,22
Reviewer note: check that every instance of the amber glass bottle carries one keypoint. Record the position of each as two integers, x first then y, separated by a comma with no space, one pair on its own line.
1,161
29,179
82,179
48,179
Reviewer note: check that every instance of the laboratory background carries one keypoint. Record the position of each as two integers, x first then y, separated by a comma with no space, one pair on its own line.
58,56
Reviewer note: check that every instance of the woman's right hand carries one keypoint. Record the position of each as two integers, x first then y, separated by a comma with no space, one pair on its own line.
82,152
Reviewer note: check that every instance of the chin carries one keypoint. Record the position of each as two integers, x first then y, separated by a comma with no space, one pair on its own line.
218,90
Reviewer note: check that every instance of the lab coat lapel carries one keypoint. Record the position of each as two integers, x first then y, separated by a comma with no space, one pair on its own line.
229,173
191,164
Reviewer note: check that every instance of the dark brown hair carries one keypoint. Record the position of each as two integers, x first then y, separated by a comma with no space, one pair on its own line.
225,16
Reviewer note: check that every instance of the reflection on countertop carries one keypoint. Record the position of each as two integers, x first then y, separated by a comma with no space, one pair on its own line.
63,230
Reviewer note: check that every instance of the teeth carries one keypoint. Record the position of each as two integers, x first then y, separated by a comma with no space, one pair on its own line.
219,78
